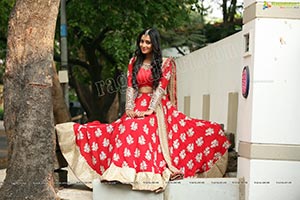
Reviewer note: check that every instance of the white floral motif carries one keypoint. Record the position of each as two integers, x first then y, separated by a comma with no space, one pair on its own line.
170,135
88,135
153,138
142,140
110,148
176,144
105,142
199,124
210,163
143,165
150,146
116,157
182,154
214,143
127,152
122,128
206,151
94,161
102,156
98,132
109,128
169,119
190,147
124,164
176,160
217,155
146,129
102,170
221,132
80,135
144,103
226,145
94,146
118,143
108,161
152,121
183,137
190,164
199,141
148,155
171,150
175,113
182,170
137,153
182,122
87,148
190,132
129,139
155,157
134,126
209,131
169,104
168,75
175,128
162,163
159,149
199,157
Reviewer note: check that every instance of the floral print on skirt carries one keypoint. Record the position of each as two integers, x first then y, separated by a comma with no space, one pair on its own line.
134,145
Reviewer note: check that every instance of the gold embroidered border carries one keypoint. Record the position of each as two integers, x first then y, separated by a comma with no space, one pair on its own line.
163,138
71,152
77,163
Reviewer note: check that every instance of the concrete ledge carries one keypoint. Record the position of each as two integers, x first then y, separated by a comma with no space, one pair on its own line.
269,151
191,189
120,191
266,9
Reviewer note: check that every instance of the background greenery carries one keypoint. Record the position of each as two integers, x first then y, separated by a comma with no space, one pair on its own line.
102,34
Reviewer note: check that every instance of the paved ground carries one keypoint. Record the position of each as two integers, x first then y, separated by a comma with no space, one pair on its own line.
74,191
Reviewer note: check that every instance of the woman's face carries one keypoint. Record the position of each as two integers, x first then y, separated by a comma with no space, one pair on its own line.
145,44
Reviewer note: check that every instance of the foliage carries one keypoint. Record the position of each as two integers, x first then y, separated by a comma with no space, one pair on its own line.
102,34
230,24
112,26
5,8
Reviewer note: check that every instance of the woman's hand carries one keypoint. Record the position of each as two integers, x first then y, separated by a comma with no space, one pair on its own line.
131,113
144,113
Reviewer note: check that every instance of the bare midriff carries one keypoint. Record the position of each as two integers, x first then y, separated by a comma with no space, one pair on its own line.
145,89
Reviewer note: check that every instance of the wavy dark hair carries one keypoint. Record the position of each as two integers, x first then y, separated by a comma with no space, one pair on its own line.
156,57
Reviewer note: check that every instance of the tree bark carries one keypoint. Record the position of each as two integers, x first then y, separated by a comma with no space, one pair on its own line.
28,118
60,108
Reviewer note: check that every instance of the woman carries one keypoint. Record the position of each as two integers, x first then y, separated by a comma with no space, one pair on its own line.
152,142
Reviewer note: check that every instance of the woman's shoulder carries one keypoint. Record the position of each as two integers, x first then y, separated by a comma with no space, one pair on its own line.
167,60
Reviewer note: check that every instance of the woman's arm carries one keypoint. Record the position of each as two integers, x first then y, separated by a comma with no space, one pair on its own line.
163,83
130,91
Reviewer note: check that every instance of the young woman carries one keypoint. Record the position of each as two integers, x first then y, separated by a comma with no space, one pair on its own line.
152,142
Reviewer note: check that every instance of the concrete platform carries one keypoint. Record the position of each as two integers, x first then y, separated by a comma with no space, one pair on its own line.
190,189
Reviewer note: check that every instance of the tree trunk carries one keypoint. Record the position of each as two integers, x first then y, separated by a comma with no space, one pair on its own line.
28,118
60,108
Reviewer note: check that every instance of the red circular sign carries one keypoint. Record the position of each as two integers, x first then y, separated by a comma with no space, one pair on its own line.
245,81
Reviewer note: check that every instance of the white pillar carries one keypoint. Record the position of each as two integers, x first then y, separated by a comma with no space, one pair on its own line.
268,129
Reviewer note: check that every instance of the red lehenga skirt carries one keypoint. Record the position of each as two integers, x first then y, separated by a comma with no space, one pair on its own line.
145,152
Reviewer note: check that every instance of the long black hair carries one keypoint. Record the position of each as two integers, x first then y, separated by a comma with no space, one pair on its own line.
156,57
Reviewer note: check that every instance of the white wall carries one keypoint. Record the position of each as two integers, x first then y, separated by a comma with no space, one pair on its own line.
271,113
215,70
